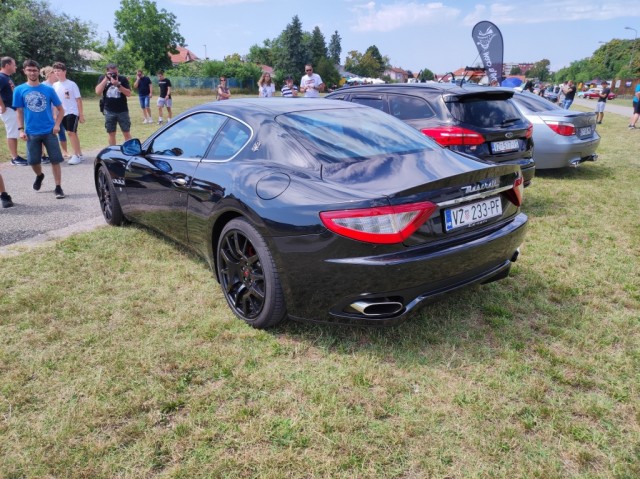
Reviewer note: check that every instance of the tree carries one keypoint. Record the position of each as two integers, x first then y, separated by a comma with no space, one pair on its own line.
291,55
374,54
334,48
29,29
149,34
426,75
540,70
317,46
261,55
516,70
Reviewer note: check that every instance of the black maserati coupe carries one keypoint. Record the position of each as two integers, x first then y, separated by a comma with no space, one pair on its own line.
318,210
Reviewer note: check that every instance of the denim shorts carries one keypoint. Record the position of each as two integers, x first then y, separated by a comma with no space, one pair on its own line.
145,101
61,133
51,145
112,120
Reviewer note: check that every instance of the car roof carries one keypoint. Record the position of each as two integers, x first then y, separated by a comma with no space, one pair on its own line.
269,106
443,88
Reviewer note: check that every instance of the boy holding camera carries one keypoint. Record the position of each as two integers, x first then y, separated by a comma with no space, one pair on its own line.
115,89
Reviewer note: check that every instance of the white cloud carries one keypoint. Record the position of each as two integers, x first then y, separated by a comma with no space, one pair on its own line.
386,18
551,11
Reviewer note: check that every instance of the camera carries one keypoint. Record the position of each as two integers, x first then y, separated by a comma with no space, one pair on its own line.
112,75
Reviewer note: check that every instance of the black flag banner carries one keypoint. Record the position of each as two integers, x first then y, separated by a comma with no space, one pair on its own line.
488,39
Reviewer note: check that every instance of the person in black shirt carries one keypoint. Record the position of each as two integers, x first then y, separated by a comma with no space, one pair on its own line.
145,92
165,96
115,89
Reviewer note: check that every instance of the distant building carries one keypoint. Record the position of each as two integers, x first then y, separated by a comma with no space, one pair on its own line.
184,55
397,74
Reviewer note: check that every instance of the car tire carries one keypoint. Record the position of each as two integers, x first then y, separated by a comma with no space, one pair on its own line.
109,203
248,275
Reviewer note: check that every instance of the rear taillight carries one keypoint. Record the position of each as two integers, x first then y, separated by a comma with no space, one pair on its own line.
529,132
454,136
383,225
561,128
516,194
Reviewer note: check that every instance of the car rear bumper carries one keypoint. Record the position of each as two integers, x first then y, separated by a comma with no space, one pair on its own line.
563,155
384,289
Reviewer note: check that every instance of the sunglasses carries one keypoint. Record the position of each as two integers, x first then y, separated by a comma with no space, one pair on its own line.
309,70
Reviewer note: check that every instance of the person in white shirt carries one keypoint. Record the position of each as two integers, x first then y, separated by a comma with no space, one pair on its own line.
311,83
266,87
69,95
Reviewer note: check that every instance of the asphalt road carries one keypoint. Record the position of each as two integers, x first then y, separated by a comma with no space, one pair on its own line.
38,216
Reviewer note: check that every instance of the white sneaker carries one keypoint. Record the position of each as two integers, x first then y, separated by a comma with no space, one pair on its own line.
150,120
144,121
159,121
76,159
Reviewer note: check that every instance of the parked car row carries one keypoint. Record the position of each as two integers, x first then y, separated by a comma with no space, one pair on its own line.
481,121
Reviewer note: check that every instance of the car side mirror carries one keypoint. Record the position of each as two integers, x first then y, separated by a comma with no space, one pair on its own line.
132,147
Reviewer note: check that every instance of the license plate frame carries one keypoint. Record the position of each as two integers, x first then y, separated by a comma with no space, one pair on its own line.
462,216
505,146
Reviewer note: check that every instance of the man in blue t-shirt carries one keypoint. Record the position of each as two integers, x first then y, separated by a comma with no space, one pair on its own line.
33,102
636,108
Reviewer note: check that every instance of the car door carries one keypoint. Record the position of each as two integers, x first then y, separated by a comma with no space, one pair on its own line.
159,179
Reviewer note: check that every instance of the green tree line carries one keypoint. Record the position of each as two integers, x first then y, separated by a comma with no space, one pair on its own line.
147,35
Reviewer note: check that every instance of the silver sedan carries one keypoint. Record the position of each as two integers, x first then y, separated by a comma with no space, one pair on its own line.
561,137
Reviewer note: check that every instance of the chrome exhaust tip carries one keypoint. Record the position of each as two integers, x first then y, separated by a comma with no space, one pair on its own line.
377,308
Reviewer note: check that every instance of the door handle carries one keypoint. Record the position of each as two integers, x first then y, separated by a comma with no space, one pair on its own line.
180,182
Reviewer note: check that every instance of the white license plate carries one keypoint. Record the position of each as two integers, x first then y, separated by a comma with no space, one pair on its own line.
584,131
507,145
472,213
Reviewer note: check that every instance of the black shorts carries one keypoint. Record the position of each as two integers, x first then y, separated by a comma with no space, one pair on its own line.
70,122
636,107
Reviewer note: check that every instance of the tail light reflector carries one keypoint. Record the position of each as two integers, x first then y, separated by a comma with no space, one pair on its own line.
454,136
529,133
516,194
382,225
561,128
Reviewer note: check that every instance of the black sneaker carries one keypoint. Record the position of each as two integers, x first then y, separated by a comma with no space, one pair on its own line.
6,200
19,161
45,160
38,183
59,193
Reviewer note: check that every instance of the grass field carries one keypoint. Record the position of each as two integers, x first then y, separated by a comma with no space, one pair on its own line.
119,358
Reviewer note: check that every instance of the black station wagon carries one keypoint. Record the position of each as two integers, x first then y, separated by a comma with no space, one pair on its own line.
483,122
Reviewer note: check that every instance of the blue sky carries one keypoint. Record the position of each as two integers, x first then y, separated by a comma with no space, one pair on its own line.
413,34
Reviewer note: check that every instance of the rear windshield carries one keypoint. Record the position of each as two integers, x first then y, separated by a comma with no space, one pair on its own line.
484,112
535,103
335,135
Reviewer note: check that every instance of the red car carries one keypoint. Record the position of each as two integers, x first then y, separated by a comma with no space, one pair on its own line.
595,93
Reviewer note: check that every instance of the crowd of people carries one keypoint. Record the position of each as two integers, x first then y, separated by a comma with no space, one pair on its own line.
44,114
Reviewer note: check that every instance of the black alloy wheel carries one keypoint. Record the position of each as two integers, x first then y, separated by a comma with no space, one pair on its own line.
248,275
109,203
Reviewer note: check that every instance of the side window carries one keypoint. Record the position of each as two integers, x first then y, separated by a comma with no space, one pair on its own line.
376,102
229,141
189,137
406,107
